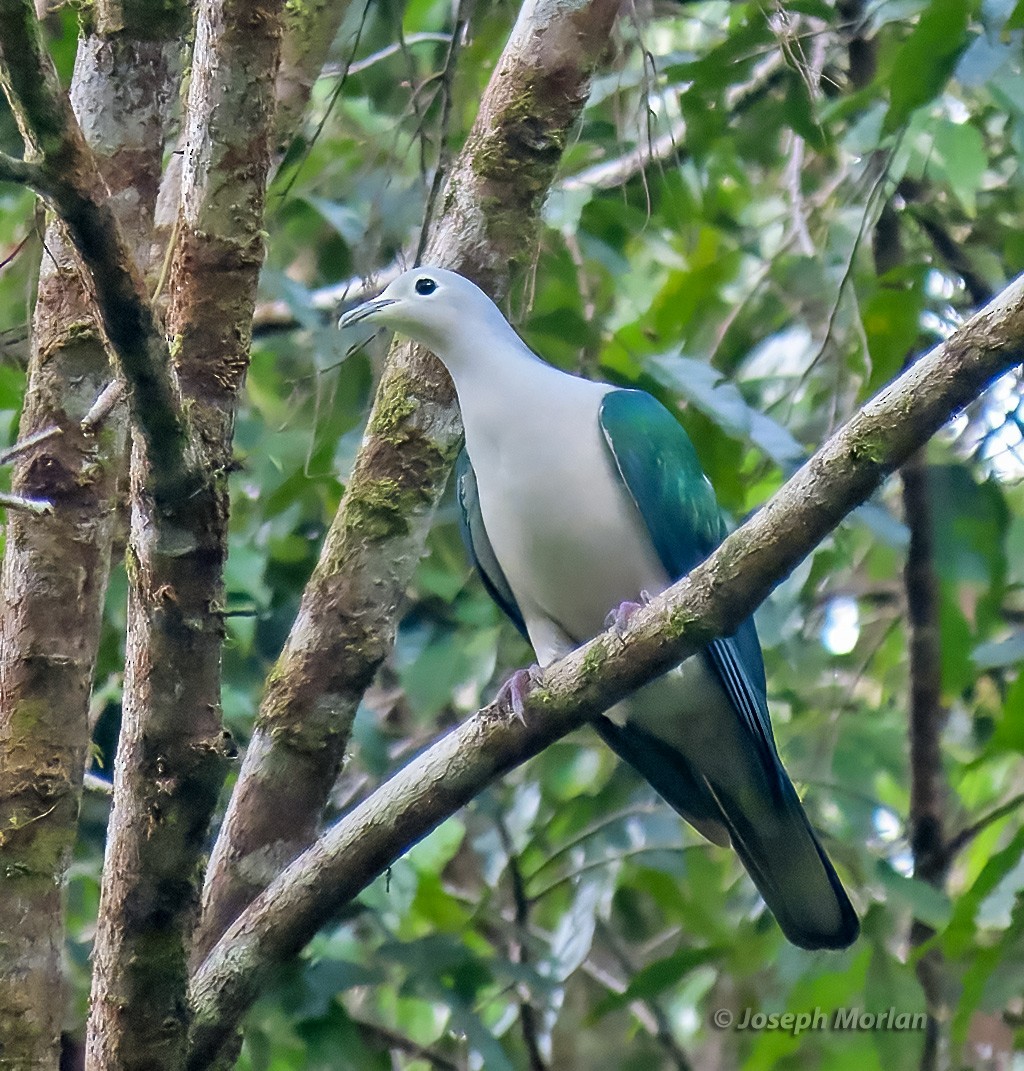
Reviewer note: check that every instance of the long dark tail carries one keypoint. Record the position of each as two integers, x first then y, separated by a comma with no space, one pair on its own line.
768,828
790,869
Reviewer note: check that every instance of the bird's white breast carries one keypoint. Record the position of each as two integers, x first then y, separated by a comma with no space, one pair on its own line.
567,535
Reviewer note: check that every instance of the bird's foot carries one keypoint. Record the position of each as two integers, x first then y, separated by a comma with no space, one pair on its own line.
512,694
618,618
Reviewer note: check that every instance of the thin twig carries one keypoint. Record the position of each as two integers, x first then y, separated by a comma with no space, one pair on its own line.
23,172
93,783
519,951
462,17
104,405
611,174
335,70
335,95
29,443
384,1035
592,830
38,506
662,1030
960,840
13,255
165,267
609,860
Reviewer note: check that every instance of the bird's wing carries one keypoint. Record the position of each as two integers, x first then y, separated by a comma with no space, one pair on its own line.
660,469
474,535
754,800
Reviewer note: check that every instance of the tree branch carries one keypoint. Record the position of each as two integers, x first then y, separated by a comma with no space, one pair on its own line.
926,720
709,602
926,716
346,621
36,506
23,172
71,182
309,32
963,837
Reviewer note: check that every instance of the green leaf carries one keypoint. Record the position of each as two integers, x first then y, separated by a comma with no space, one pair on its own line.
326,979
960,935
723,403
960,158
1009,730
439,847
926,903
656,977
343,218
926,59
892,984
1016,19
574,935
892,323
958,668
997,654
971,520
992,980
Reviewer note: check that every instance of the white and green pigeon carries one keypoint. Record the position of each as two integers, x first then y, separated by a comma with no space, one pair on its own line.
578,499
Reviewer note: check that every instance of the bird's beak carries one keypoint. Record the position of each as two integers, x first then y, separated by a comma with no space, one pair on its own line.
366,311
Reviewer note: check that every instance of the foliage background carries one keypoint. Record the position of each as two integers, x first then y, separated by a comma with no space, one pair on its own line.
765,212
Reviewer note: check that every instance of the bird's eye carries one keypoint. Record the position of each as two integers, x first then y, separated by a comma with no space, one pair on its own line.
425,286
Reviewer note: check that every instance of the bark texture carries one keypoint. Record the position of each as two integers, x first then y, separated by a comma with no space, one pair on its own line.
309,32
67,175
173,749
56,567
711,601
346,621
926,722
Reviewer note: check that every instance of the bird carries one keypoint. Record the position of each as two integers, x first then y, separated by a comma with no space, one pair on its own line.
579,501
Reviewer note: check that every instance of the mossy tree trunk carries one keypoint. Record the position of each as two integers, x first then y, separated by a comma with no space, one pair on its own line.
56,566
172,749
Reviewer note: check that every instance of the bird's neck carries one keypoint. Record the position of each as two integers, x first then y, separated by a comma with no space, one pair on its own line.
491,365
504,389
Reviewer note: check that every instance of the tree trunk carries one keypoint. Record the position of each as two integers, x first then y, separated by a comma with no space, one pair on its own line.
56,567
172,751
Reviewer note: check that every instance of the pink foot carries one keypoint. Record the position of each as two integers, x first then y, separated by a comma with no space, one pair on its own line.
618,618
512,694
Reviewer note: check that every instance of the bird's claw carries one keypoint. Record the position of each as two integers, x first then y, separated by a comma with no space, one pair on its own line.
618,618
512,694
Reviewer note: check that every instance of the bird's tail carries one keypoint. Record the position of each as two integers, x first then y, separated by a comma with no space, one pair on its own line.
789,867
759,811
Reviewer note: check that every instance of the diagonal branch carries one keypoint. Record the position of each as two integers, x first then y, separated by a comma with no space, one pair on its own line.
963,837
709,602
346,621
71,182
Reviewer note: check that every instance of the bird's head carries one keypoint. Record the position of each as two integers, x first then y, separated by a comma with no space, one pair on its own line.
433,306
